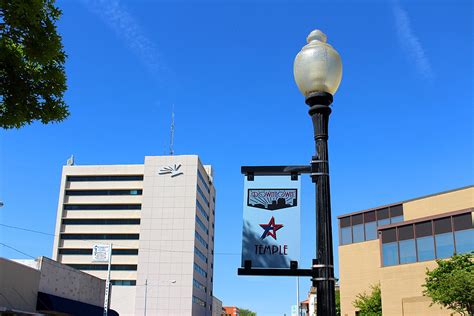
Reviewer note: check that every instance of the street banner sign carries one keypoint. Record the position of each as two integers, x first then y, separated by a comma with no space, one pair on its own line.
100,253
271,225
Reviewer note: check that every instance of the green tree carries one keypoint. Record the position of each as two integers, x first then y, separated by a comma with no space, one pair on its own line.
369,304
338,303
246,312
32,76
451,284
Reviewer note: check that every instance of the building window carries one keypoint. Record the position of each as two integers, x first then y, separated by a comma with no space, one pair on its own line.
101,221
407,244
94,207
389,247
200,255
204,182
103,267
201,225
104,192
105,178
124,282
100,236
363,226
201,210
72,251
201,240
198,301
434,239
202,195
464,233
200,270
199,285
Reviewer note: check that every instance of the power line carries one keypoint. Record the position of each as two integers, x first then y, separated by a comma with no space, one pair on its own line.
17,250
115,244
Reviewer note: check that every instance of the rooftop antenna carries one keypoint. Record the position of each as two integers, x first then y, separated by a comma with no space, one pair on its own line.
70,161
172,133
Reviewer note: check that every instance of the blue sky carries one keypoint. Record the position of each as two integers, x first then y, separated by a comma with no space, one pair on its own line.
401,127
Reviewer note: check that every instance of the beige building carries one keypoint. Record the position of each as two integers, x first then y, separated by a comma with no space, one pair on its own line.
393,245
159,218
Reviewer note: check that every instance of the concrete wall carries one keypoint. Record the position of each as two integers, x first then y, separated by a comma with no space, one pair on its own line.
216,306
359,268
18,286
63,281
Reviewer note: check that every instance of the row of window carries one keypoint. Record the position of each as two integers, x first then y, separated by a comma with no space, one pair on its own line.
201,210
201,240
201,224
100,236
200,254
199,285
101,221
200,270
202,195
124,282
89,207
363,226
204,182
104,178
434,239
103,267
82,251
198,301
105,192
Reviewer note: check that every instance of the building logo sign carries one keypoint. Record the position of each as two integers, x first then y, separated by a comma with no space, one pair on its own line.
272,199
171,169
271,221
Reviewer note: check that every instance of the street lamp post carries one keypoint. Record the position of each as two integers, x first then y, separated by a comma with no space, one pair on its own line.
318,73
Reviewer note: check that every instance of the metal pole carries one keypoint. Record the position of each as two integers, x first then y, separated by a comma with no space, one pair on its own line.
146,290
323,267
107,285
298,296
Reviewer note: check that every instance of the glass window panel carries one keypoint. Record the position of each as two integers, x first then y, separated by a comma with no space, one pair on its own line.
382,222
390,254
396,210
407,251
462,222
442,225
389,235
357,219
397,219
405,232
444,245
423,229
346,235
464,241
345,221
425,248
369,217
370,231
358,233
382,213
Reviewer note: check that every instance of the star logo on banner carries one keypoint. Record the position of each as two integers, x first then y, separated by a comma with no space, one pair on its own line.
270,229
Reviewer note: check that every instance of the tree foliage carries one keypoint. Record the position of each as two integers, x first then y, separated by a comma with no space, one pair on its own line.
246,312
32,76
338,303
451,284
369,304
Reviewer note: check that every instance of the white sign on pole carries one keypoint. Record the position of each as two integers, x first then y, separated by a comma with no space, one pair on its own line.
100,253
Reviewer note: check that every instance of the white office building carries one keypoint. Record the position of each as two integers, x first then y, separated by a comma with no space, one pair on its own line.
159,218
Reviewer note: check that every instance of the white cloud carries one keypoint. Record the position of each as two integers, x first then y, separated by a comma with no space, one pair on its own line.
411,43
125,26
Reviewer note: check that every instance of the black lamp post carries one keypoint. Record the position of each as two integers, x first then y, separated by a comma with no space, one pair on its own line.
318,73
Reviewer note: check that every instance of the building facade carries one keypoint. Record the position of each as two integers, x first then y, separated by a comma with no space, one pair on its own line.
159,218
393,245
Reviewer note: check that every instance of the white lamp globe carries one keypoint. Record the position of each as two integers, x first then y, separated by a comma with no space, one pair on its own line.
318,66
